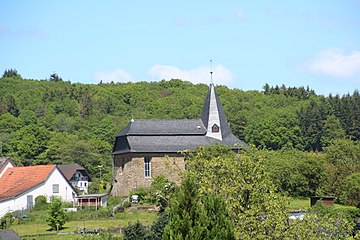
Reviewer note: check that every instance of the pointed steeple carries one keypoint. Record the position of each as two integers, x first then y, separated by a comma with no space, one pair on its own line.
213,116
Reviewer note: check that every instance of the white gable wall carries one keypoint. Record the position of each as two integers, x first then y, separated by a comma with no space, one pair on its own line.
80,181
66,193
8,165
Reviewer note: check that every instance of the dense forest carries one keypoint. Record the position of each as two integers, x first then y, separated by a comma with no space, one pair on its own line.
310,141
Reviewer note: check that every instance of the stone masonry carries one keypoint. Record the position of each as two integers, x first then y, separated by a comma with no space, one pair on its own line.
129,172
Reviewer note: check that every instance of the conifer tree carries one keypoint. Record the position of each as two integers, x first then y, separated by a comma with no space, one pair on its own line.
195,216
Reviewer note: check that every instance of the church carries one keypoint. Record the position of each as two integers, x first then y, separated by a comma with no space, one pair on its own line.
145,149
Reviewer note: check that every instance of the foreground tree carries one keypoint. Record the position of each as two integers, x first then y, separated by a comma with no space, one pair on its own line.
56,218
134,231
195,216
257,211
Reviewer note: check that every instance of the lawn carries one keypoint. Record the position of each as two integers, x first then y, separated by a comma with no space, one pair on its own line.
299,204
120,220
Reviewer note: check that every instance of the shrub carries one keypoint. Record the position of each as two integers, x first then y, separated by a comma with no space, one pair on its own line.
127,204
113,201
143,195
6,220
161,191
40,203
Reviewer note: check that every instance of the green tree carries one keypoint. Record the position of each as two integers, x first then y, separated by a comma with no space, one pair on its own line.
343,159
134,231
12,107
55,77
27,117
332,130
244,183
11,73
255,208
157,229
56,214
86,105
182,212
193,216
351,192
29,142
294,172
311,126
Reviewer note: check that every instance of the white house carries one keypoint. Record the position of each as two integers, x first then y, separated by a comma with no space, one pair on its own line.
5,163
76,175
19,186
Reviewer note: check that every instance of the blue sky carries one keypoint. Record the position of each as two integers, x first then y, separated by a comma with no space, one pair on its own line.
296,43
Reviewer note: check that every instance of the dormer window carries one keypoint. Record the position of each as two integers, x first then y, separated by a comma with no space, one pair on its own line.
215,128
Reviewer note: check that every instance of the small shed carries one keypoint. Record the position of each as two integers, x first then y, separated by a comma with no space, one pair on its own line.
96,200
326,200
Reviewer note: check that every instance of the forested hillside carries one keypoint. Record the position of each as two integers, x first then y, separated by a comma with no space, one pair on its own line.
54,121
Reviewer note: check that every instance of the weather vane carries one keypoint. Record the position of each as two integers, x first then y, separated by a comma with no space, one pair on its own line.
211,72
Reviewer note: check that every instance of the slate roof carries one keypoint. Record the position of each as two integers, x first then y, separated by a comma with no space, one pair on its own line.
164,127
17,180
8,235
172,136
68,170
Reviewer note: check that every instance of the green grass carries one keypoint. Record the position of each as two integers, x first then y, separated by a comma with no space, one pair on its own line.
300,204
120,220
74,237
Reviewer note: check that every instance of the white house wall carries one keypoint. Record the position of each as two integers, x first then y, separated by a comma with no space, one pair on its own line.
20,202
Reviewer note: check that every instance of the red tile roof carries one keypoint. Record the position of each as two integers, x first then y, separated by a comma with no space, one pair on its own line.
17,180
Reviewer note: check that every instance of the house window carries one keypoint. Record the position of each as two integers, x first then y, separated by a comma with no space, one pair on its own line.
55,188
215,128
147,167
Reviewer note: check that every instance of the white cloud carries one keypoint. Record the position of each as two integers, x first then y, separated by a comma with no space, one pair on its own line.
117,75
221,74
334,63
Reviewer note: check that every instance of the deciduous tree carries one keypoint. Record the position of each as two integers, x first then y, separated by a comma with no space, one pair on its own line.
56,218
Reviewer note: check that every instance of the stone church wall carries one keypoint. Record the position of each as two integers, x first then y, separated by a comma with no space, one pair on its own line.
129,172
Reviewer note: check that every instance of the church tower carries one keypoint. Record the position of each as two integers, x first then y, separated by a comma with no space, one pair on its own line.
213,115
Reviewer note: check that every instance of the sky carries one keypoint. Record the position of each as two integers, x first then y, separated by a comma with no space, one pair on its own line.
250,43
